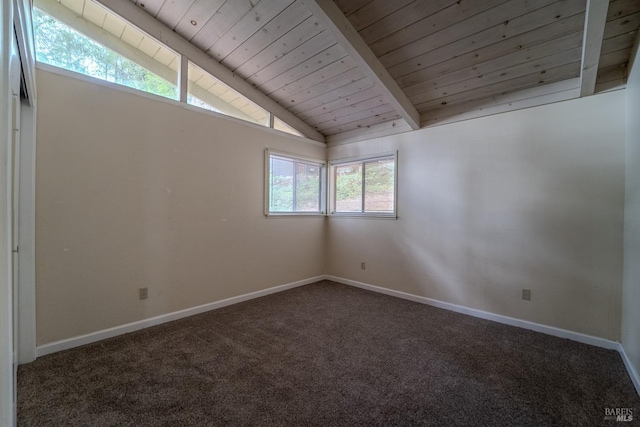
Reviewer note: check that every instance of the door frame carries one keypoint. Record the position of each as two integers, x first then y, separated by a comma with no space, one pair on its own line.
26,299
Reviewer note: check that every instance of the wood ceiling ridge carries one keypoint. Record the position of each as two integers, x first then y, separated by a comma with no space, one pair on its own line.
612,73
251,23
220,23
334,95
356,118
288,43
328,73
275,29
396,21
616,57
562,72
499,63
514,71
355,106
553,92
339,102
617,42
173,11
303,69
347,90
376,11
371,120
201,11
301,53
519,33
447,63
379,106
480,34
443,22
152,7
350,82
621,8
390,127
350,6
348,77
621,25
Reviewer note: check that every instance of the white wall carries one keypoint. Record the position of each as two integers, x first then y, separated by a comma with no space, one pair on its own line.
135,192
528,199
631,290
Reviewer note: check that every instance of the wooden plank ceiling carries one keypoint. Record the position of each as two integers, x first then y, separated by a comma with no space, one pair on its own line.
446,55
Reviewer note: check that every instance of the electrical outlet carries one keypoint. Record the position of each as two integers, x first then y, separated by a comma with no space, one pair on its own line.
144,293
526,294
363,266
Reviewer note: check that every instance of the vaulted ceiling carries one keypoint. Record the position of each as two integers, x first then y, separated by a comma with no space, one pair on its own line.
370,67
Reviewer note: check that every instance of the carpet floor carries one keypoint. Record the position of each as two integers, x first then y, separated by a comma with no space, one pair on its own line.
327,354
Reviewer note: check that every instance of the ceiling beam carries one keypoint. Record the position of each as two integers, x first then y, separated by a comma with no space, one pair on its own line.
334,20
594,22
135,15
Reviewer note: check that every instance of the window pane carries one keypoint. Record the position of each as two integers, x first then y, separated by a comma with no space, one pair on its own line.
133,59
205,91
378,186
307,188
349,188
283,127
281,185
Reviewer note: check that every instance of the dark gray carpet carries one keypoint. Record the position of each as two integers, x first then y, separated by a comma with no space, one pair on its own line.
327,355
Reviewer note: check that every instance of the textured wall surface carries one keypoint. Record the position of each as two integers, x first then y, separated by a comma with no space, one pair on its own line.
528,199
135,192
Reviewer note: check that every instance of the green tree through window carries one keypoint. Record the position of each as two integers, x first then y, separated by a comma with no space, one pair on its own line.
294,185
61,46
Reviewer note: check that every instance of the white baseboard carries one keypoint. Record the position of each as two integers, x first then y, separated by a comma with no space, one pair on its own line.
549,330
135,326
157,320
635,378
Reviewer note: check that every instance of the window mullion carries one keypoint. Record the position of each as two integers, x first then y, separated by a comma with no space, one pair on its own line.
183,78
364,165
295,187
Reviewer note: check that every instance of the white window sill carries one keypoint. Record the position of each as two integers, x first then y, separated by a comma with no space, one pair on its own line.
363,215
294,214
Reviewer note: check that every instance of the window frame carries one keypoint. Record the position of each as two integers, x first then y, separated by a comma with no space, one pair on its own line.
138,61
295,158
334,164
184,57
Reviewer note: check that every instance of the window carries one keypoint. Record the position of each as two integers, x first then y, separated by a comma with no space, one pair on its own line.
293,185
283,127
92,41
205,91
87,38
364,187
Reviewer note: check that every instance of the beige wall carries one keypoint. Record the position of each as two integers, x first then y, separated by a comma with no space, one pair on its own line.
135,192
631,291
528,199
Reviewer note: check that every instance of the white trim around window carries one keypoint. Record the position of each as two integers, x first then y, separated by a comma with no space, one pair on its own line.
282,207
359,165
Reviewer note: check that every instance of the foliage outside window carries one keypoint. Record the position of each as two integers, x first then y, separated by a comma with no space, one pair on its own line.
84,37
64,47
294,185
365,187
